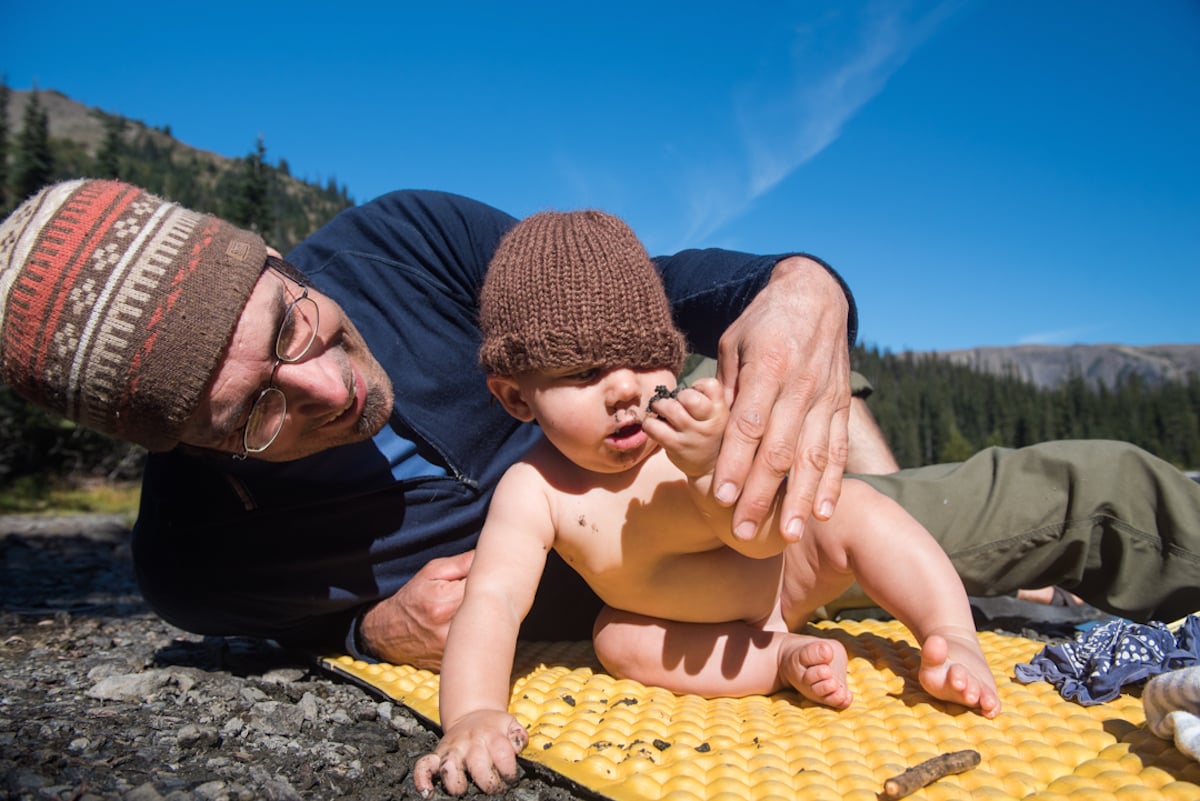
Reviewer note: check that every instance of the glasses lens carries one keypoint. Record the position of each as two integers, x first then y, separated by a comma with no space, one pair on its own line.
266,419
298,331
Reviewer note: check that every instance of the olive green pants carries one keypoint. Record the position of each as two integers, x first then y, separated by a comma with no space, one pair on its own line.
1103,519
1106,520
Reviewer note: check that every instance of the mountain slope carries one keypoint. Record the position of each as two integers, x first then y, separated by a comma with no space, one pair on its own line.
153,159
1049,365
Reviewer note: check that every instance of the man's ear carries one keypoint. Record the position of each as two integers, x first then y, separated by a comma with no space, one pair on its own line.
508,392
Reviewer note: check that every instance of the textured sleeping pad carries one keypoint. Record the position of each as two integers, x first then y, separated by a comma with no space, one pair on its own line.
626,741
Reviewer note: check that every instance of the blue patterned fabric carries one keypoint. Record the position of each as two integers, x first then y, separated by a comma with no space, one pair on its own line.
1099,662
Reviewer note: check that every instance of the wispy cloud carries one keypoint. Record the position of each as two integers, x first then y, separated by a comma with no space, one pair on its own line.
782,129
1063,336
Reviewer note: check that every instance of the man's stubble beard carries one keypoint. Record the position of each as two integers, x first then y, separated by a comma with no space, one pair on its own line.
377,409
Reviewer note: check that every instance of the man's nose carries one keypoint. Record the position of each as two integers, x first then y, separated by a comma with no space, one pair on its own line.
315,385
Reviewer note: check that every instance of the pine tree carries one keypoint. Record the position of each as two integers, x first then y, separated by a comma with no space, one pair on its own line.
251,206
108,159
4,97
34,165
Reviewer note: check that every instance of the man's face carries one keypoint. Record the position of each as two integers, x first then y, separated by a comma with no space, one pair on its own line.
337,393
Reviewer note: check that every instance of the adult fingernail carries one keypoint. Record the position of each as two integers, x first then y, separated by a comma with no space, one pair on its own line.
727,493
795,528
745,531
826,510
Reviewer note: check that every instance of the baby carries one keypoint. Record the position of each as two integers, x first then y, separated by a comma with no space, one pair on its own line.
578,335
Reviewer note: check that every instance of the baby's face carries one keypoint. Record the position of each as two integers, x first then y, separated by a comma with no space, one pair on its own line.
594,415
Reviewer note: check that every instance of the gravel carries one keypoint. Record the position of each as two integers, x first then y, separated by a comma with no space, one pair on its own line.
99,699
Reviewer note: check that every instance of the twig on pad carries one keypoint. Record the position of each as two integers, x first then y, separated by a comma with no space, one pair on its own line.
928,772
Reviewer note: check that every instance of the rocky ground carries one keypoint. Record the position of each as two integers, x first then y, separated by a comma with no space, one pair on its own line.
99,699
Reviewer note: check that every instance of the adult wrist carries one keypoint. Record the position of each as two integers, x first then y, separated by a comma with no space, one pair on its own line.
815,272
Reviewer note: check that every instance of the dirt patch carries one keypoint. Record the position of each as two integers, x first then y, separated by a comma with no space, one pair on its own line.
99,699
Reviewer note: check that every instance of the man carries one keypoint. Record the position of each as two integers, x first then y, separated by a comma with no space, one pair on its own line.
324,448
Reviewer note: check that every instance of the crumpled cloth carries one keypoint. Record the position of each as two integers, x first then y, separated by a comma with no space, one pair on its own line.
1099,662
1172,702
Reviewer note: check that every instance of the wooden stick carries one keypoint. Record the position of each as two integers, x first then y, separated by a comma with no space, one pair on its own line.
928,772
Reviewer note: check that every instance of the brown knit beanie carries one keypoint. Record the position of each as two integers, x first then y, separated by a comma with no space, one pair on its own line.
575,289
116,306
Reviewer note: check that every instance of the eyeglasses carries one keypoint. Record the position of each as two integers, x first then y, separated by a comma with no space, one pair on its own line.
296,335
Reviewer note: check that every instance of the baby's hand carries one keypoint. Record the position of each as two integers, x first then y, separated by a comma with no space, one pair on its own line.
690,425
483,745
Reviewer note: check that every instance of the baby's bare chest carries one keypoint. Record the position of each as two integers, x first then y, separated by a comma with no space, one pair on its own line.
653,553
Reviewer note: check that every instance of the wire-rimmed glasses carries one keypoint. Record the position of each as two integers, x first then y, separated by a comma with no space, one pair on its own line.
296,334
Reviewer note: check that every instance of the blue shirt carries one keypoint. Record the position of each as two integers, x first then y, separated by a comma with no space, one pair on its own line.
296,551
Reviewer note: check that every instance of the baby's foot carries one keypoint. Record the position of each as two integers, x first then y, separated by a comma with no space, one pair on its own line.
957,671
816,668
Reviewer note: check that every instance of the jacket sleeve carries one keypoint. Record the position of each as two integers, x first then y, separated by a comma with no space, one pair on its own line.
449,237
710,288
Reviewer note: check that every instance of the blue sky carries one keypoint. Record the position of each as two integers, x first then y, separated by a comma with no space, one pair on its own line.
982,173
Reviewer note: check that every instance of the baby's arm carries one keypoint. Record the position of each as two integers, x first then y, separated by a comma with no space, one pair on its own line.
690,427
901,567
480,738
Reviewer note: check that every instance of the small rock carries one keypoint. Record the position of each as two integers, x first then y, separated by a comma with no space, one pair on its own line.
308,707
283,675
276,717
143,792
210,791
193,736
129,686
279,789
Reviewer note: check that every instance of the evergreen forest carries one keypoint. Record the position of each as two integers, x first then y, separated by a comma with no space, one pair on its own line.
247,191
933,411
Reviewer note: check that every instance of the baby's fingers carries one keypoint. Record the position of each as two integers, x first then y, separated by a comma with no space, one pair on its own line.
690,405
447,770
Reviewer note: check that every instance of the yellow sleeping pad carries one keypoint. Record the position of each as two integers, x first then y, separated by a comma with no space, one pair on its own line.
626,741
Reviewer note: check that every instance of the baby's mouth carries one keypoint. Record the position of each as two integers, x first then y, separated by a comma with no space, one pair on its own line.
628,430
627,437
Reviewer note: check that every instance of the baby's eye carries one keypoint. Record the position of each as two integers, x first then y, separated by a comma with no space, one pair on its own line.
586,375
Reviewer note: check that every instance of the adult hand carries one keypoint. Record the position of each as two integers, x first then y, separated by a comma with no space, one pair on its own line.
786,364
410,627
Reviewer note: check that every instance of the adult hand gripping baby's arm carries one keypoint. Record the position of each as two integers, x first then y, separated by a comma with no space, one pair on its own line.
410,627
787,365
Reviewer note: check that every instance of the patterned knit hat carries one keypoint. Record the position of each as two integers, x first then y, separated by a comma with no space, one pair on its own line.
116,306
575,289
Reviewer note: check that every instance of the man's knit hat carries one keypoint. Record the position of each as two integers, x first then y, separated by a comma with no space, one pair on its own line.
116,306
575,289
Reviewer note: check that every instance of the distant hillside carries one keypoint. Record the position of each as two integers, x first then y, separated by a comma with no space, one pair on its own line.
200,179
1047,366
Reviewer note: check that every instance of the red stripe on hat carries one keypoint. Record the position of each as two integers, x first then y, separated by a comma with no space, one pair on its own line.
175,289
59,256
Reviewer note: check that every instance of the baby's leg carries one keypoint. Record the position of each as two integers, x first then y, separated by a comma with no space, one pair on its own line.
903,569
720,659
